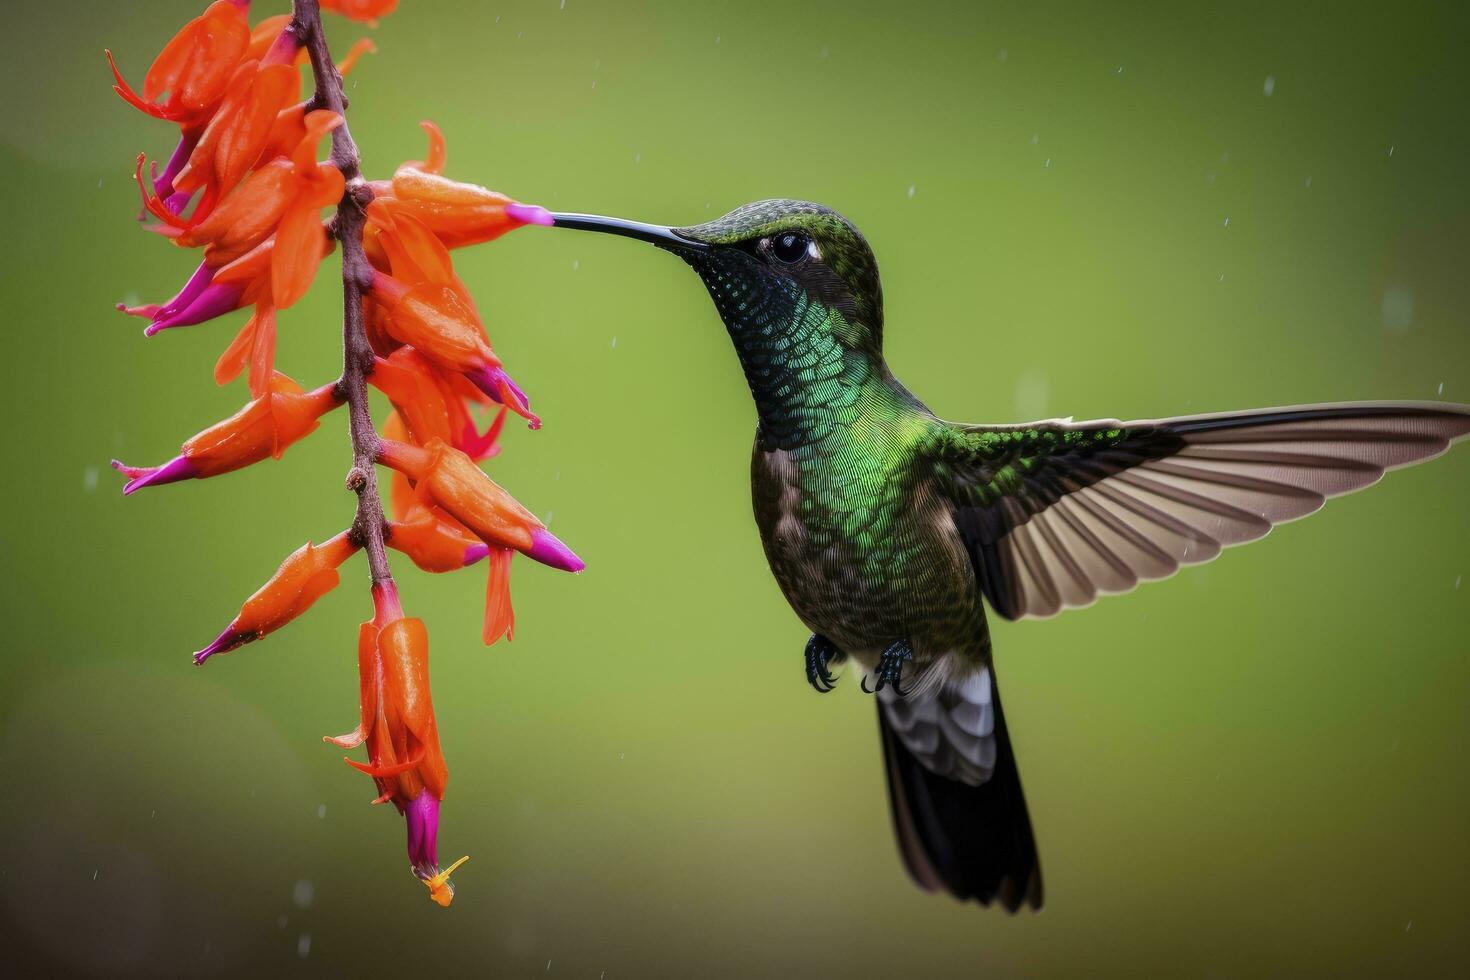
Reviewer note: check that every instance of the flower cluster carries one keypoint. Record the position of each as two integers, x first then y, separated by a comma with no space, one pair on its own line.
244,185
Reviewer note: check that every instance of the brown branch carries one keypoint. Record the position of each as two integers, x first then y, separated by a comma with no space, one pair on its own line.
357,355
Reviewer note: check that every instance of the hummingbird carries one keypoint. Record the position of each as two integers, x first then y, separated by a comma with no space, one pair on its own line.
890,530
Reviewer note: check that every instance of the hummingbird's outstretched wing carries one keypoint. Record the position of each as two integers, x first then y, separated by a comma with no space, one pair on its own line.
1056,513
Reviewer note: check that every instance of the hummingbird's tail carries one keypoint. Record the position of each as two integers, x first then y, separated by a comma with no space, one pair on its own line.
958,810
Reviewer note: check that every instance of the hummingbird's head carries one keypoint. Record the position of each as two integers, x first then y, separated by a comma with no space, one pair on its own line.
775,269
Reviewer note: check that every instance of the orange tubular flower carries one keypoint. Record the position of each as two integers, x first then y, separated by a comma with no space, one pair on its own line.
401,735
287,192
237,135
422,302
459,214
367,11
265,427
193,68
430,404
303,578
446,477
433,540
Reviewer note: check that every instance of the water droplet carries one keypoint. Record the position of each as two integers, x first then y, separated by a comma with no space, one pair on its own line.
303,945
594,83
1398,308
1309,181
1270,85
1390,151
1035,138
1048,162
280,922
638,158
1222,277
563,4
1031,395
302,893
576,264
321,812
1119,71
1458,580
1441,388
615,343
1002,54
94,873
912,188
717,39
89,476
1227,222
822,53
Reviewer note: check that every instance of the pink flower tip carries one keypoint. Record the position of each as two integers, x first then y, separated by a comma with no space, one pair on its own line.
176,469
548,550
474,552
224,643
529,214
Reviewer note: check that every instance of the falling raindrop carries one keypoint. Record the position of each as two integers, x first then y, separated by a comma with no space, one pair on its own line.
1398,308
1390,151
1309,181
89,477
615,343
321,812
303,945
576,264
302,893
1270,85
1048,162
912,188
1002,54
1227,222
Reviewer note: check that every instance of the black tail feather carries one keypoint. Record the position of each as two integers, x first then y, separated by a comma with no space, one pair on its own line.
975,842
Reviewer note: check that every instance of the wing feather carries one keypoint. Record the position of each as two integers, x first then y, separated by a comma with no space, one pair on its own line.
1057,513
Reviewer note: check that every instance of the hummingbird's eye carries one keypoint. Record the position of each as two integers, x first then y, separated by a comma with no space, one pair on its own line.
789,247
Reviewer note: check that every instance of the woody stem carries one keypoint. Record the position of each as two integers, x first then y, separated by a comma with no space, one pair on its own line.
357,355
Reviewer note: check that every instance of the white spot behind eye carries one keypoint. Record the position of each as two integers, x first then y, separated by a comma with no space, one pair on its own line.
813,251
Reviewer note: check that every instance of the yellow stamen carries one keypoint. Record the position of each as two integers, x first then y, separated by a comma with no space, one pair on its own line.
440,890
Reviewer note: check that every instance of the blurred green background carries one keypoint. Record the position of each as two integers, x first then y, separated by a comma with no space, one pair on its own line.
1257,767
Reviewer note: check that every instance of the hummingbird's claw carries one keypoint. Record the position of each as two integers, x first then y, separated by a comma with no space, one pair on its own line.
819,653
890,670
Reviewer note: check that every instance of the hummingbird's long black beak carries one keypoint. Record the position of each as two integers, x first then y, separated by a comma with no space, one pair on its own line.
644,232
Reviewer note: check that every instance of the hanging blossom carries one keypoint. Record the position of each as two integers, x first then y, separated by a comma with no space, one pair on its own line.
244,186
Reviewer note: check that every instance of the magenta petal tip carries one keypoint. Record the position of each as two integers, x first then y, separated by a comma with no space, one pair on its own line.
224,643
474,552
529,214
176,469
422,818
548,550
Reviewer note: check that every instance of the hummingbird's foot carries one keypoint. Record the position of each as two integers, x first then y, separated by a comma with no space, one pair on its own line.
820,652
890,669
